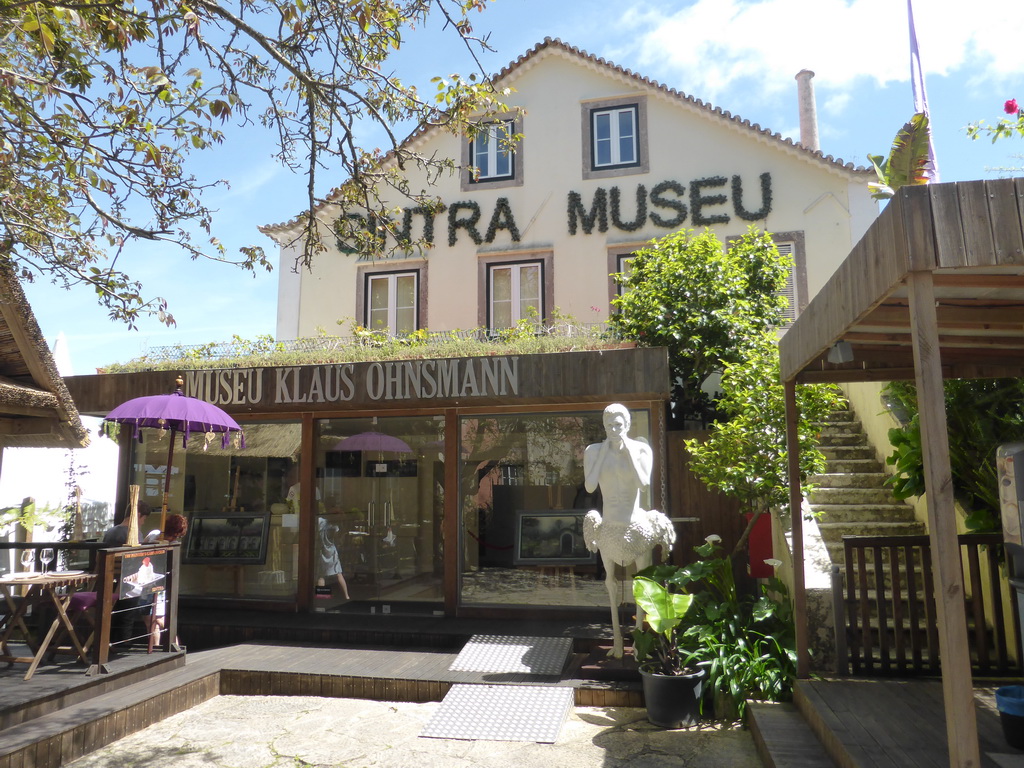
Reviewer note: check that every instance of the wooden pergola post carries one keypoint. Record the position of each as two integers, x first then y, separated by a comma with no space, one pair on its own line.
957,688
803,659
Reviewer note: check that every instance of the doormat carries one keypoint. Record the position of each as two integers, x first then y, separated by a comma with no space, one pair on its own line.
501,713
504,653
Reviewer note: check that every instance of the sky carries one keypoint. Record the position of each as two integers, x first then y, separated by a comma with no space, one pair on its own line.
738,55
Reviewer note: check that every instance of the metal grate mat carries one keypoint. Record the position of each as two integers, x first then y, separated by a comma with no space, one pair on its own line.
511,654
501,713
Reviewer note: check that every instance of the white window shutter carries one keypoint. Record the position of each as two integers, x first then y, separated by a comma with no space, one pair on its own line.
789,314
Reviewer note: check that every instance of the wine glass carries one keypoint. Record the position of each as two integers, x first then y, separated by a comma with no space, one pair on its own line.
28,559
46,556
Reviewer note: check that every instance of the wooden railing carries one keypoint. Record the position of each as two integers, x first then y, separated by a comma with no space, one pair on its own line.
889,615
108,586
106,562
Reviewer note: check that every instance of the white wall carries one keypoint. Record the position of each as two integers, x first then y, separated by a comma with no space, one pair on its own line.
828,204
43,473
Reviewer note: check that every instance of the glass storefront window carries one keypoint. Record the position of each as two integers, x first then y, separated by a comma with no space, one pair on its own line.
380,482
523,503
243,539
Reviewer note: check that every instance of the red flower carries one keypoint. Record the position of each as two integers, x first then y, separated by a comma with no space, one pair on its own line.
1010,107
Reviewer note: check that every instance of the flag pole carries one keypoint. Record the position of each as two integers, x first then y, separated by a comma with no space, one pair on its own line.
920,93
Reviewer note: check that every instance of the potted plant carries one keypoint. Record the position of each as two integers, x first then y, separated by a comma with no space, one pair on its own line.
744,641
673,688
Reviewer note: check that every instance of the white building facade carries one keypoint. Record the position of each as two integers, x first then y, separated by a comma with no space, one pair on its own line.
606,161
455,486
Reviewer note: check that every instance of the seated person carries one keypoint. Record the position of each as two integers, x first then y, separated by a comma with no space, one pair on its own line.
117,534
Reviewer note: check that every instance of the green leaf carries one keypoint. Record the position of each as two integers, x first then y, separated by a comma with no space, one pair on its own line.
908,162
664,610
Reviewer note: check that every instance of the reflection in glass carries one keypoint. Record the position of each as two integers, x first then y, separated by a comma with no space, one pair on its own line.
523,499
242,489
381,487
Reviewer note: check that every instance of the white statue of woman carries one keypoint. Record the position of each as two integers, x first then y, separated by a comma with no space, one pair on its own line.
626,534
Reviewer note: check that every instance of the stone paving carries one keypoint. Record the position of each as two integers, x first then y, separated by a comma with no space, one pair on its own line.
313,732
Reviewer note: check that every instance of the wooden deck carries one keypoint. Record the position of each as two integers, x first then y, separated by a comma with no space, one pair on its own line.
61,714
896,723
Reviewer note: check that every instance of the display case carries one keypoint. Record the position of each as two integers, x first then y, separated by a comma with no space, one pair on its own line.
227,539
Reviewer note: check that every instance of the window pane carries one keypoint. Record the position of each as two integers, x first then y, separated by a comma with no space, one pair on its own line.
482,145
381,523
378,315
529,292
501,297
503,163
405,314
405,320
625,267
207,485
378,293
406,293
501,284
602,139
626,152
626,123
510,458
501,314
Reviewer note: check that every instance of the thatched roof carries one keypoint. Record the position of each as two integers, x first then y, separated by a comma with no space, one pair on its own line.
36,409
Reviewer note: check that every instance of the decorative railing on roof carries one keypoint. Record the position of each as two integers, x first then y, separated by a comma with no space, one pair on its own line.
266,345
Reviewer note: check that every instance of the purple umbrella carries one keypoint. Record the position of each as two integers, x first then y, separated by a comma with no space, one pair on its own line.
178,414
373,441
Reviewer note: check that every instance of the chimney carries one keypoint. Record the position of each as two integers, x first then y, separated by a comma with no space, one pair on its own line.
808,110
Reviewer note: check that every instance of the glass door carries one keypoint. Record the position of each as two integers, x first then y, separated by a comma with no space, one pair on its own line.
379,527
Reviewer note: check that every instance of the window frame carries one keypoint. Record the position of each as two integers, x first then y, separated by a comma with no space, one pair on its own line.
543,259
367,274
495,148
589,112
796,288
615,136
617,255
515,179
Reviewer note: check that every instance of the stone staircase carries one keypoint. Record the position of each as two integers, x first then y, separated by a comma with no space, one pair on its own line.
851,497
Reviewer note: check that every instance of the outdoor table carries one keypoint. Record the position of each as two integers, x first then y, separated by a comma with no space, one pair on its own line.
55,589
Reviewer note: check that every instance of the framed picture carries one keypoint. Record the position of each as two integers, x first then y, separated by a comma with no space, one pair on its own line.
228,539
142,573
551,537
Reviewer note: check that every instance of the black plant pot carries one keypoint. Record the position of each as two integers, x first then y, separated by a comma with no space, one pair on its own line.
1010,702
673,701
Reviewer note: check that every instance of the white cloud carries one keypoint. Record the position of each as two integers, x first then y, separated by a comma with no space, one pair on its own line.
248,179
709,46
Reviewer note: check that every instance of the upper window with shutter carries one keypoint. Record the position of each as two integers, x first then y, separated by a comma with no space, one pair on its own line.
792,244
788,248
